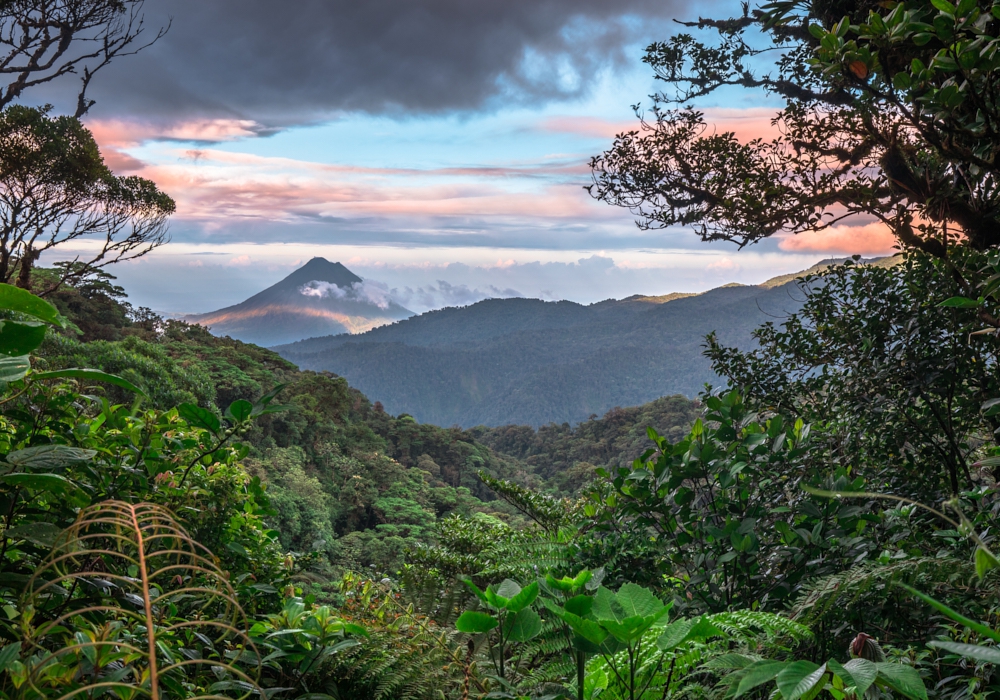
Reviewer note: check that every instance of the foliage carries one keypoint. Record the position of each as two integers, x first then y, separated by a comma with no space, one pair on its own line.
883,115
55,188
875,347
127,601
523,361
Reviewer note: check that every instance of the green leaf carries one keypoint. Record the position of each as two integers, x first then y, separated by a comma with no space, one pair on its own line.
23,301
985,561
51,483
588,629
473,622
525,597
944,6
970,651
758,674
798,678
92,375
9,654
817,31
508,588
13,368
20,337
961,302
42,534
637,601
475,590
580,605
523,626
695,630
903,679
199,417
674,635
239,410
49,457
862,674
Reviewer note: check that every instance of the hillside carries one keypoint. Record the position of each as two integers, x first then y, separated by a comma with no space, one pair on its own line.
532,362
317,299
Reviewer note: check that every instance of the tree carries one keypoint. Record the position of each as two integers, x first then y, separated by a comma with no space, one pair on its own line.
55,188
891,113
42,40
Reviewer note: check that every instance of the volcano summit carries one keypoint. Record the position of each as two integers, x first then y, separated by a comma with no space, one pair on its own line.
320,298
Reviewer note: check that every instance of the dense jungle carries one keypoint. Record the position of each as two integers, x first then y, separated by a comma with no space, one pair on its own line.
187,516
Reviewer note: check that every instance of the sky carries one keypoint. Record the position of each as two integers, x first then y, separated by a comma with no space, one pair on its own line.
438,147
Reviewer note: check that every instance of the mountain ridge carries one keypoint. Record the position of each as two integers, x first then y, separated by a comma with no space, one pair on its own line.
319,298
528,361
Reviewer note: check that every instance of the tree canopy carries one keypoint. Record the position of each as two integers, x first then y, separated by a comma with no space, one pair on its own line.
55,188
890,114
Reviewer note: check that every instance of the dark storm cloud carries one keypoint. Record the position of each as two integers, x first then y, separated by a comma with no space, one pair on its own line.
280,62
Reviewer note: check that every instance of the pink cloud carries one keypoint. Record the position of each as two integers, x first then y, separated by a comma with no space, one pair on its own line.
122,134
869,239
747,124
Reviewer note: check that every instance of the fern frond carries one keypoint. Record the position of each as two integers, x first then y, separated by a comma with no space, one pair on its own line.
844,589
127,582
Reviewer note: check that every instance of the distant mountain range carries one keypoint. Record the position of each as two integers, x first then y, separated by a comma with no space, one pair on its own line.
320,298
527,361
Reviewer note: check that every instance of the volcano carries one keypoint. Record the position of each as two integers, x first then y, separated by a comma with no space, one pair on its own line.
320,298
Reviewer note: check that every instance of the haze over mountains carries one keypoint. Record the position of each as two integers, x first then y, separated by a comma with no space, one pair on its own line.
526,361
320,298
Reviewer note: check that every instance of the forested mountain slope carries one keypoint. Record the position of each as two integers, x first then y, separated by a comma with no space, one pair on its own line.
532,362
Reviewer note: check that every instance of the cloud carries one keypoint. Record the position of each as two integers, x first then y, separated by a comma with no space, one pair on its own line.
723,266
867,239
368,291
446,294
272,63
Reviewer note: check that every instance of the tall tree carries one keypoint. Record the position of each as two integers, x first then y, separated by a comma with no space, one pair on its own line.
42,40
55,188
891,113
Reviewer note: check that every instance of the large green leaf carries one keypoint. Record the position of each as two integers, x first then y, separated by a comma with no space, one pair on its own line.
8,655
758,674
90,375
637,601
523,599
20,337
632,628
861,673
42,534
23,301
607,607
970,651
798,678
681,632
674,634
13,368
587,629
580,605
508,588
475,590
903,679
239,410
523,626
49,457
51,483
474,622
199,417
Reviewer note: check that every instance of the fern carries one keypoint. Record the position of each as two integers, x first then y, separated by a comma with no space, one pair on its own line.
128,602
843,590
